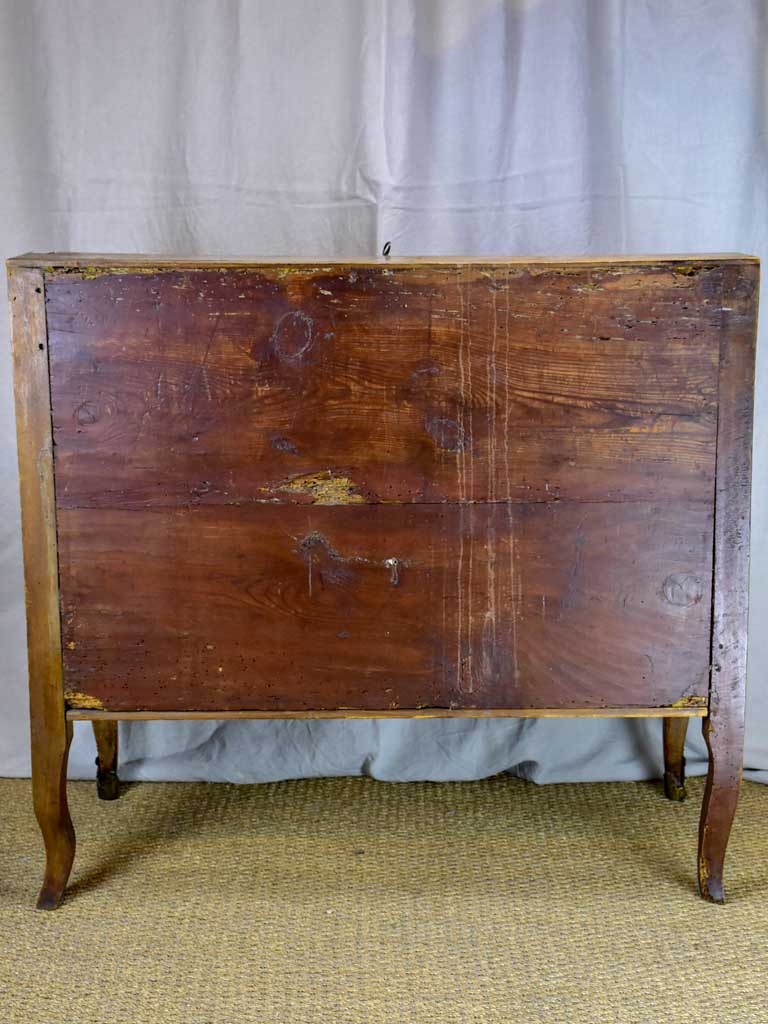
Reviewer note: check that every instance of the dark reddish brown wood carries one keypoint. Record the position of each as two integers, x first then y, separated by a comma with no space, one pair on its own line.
675,730
724,727
390,383
107,782
522,457
553,604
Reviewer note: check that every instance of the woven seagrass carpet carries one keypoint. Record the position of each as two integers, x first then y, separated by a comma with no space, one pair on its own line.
350,901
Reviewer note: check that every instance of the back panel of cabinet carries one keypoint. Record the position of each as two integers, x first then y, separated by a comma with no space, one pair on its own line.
387,486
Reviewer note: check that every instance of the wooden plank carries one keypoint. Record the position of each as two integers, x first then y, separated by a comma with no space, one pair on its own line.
116,262
547,605
50,732
385,384
88,715
724,727
38,516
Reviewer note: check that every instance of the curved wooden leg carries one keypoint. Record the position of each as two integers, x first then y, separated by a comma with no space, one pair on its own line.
49,791
724,741
50,732
724,726
674,757
107,782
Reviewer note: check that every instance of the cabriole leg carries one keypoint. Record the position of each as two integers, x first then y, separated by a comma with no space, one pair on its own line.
720,798
49,791
107,782
674,757
724,726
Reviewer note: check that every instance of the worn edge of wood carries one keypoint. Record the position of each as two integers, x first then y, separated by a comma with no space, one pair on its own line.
92,714
731,557
50,732
26,295
137,262
732,496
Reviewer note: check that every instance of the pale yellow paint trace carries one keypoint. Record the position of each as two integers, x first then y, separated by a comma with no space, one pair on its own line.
82,700
325,489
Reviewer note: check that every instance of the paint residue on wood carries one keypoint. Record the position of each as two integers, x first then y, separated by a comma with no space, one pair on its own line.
324,488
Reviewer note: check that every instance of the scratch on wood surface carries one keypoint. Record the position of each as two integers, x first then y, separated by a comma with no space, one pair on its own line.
448,434
43,462
571,591
293,336
508,489
462,494
325,488
206,382
89,273
82,700
333,568
470,461
490,631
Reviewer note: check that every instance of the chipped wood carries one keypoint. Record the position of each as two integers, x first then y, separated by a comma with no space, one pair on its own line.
82,700
323,489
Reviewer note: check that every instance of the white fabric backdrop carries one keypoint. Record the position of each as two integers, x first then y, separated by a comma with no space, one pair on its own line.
325,127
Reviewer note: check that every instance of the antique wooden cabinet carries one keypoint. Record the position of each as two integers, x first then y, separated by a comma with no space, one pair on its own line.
384,488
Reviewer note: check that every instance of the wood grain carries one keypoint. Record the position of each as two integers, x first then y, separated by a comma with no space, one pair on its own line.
406,488
93,264
724,727
546,605
401,383
50,732
94,715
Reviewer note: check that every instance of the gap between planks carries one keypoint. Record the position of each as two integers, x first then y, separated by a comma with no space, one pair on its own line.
89,714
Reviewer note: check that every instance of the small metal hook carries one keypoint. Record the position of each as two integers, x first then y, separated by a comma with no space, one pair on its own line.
387,249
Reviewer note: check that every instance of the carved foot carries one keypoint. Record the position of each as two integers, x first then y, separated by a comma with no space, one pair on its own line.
49,788
720,798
